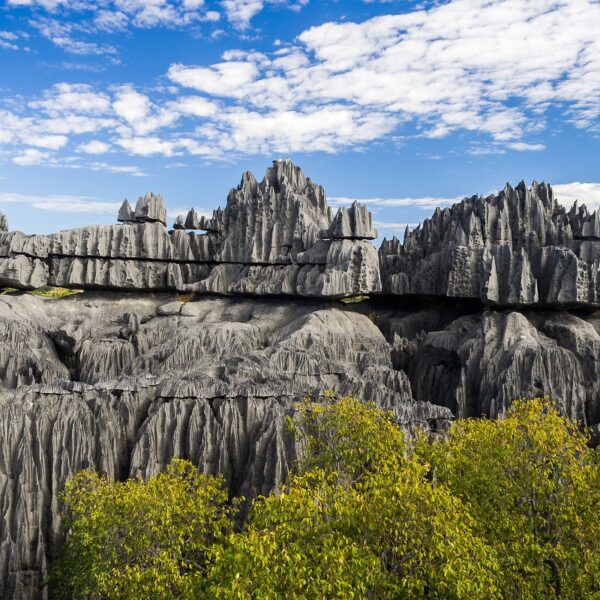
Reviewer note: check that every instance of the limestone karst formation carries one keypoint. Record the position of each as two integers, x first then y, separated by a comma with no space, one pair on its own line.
517,248
123,380
266,241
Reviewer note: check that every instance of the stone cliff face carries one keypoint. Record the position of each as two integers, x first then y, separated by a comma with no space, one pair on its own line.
266,242
518,248
124,382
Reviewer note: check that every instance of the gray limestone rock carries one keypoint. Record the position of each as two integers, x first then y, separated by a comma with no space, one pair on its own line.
124,383
518,248
150,209
126,213
478,364
272,221
191,220
257,245
351,223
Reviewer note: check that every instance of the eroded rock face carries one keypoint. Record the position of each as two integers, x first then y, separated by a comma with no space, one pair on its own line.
518,248
479,363
277,237
253,246
351,223
125,383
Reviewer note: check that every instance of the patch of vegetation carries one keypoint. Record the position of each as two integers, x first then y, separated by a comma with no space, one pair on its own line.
497,509
187,297
354,299
54,292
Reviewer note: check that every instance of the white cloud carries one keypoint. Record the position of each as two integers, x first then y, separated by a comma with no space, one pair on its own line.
426,203
94,147
61,35
491,68
584,193
240,12
147,146
487,66
222,79
62,203
63,98
50,142
524,147
8,40
31,156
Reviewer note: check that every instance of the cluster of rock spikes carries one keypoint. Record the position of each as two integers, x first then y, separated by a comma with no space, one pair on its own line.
278,237
132,373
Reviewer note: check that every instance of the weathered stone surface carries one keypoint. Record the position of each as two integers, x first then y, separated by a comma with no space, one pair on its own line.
479,363
126,213
272,221
150,209
518,248
256,245
191,220
351,223
125,383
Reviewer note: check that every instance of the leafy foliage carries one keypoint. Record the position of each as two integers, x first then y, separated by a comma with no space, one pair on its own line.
497,509
54,292
532,484
136,540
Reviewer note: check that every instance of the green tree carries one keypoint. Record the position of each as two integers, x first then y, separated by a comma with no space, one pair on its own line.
495,509
532,485
360,520
137,540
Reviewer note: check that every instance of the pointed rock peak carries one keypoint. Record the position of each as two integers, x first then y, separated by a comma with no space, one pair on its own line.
3,222
191,220
354,222
285,172
508,189
522,186
125,212
179,224
248,179
149,209
212,225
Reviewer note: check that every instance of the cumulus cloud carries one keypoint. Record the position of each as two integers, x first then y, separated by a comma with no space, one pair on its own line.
118,14
584,193
62,203
490,68
427,203
94,147
31,156
240,12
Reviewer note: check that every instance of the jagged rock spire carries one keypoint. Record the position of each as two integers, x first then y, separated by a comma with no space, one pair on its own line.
150,208
125,212
353,223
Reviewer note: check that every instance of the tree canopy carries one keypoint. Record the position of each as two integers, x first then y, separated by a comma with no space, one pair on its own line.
495,509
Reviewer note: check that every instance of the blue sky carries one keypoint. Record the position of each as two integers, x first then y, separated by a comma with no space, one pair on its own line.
406,105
